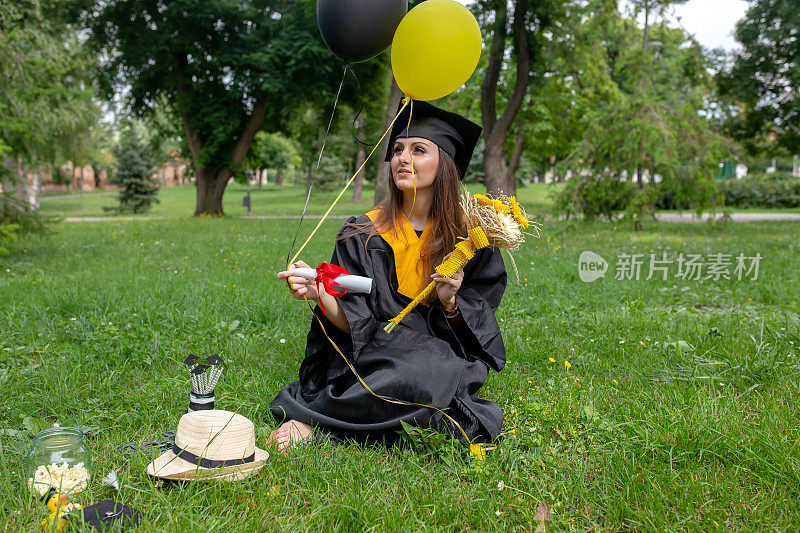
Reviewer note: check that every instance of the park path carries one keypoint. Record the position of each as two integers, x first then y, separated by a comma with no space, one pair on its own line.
735,217
660,217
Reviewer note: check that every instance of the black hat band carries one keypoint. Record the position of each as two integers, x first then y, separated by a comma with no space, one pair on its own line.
210,463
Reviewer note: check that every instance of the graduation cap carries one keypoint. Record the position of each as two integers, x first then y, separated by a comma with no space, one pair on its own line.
104,515
451,132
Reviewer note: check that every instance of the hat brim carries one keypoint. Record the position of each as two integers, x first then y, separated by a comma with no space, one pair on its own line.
170,466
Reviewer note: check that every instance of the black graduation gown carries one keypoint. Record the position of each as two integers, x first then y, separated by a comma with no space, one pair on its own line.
423,360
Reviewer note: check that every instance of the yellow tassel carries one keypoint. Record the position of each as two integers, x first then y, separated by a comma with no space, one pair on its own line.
415,302
478,451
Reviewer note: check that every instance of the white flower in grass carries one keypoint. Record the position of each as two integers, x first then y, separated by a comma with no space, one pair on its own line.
282,341
73,319
498,513
500,485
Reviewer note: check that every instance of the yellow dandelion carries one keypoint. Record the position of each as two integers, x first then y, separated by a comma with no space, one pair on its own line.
615,382
551,359
567,364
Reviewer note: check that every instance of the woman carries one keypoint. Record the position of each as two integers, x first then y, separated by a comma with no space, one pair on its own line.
440,354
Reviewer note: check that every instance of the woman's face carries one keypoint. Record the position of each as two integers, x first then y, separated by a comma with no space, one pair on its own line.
425,154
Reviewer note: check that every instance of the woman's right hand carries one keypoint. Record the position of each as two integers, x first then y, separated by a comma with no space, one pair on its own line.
300,287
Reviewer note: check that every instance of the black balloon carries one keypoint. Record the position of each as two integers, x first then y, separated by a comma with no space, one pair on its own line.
357,30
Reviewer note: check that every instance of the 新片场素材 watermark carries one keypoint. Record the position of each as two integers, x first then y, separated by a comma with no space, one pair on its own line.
684,266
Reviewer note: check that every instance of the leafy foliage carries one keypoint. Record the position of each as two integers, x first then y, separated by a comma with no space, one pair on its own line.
331,173
225,68
595,197
650,126
8,234
134,170
272,151
764,77
777,193
46,105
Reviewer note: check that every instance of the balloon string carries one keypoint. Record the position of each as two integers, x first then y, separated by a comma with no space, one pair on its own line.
319,159
389,399
360,109
346,185
413,170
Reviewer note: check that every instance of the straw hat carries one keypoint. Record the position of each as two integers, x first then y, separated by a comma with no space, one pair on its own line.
211,444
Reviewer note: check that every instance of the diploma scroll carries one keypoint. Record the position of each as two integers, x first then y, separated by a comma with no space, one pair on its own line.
348,281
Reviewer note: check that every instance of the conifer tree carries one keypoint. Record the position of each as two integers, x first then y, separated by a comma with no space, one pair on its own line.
134,175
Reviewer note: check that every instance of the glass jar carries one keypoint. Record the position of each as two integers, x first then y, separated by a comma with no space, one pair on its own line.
60,459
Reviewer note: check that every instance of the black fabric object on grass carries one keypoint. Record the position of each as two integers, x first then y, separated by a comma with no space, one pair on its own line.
425,359
103,515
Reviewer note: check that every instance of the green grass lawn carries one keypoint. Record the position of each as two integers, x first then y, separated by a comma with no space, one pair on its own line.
272,200
179,202
679,411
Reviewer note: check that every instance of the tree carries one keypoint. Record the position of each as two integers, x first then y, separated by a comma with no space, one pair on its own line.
227,68
652,125
134,170
526,28
272,151
45,97
763,77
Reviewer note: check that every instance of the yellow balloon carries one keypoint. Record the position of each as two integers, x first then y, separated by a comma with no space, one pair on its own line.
435,49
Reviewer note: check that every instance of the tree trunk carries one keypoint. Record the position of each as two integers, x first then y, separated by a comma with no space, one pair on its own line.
22,182
210,185
494,164
80,179
37,188
382,177
361,156
279,177
513,166
496,128
71,177
259,173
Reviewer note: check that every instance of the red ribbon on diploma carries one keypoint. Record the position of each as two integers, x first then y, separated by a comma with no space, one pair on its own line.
327,274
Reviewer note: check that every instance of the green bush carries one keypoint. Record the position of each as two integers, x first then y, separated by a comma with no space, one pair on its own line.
330,174
8,234
771,177
595,197
762,191
20,214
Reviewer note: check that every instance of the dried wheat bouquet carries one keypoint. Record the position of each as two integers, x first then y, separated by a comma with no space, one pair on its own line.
491,221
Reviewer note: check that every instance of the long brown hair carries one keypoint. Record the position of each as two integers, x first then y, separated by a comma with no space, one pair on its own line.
446,217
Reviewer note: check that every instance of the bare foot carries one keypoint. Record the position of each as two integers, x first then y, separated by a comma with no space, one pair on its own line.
289,434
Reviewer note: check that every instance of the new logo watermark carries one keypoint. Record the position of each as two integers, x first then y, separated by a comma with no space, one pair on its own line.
685,266
591,266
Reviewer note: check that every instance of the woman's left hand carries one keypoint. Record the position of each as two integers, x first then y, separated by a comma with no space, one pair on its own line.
446,288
